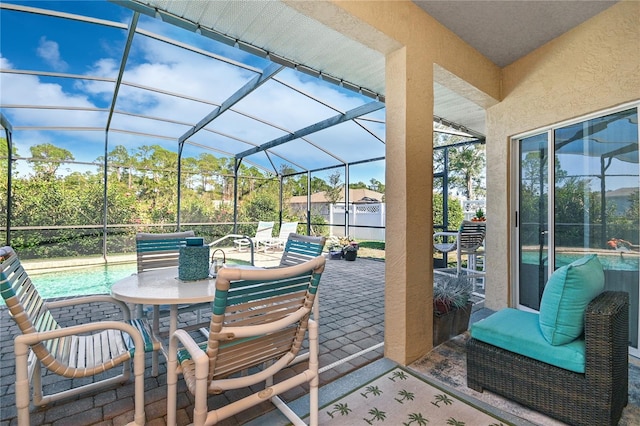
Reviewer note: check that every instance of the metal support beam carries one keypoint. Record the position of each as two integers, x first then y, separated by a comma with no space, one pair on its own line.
114,99
252,85
8,131
324,124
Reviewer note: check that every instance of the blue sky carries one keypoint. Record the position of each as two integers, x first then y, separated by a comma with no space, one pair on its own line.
33,42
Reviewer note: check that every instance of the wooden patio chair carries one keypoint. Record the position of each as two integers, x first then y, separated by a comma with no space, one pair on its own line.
260,318
73,352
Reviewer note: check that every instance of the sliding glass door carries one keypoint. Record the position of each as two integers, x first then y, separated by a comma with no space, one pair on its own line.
578,187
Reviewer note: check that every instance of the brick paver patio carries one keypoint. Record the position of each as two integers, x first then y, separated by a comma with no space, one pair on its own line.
351,320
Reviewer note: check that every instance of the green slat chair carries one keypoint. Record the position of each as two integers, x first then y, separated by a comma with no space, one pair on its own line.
158,251
260,319
301,248
73,352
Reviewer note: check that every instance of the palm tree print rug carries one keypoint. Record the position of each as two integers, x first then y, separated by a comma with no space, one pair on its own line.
401,398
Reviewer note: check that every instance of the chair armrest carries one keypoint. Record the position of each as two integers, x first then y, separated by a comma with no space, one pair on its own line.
72,301
607,335
33,338
445,234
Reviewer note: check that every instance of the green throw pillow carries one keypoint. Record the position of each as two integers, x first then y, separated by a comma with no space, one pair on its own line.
566,296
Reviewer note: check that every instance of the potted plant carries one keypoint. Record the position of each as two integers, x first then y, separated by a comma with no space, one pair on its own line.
349,248
335,248
451,306
479,216
350,252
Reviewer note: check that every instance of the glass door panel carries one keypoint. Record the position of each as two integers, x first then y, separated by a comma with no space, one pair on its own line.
591,182
596,200
533,224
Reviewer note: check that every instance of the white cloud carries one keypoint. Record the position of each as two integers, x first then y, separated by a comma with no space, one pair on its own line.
169,68
50,52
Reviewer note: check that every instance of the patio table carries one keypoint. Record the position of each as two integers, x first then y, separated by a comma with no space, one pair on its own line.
162,287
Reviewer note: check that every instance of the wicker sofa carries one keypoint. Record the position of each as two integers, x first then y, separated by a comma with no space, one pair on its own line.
595,397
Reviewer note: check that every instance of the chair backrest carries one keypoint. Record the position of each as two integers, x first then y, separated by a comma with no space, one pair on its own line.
301,248
156,251
287,228
260,315
472,234
264,231
27,308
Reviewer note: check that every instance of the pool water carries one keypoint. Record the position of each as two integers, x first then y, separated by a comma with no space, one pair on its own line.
78,282
616,262
84,281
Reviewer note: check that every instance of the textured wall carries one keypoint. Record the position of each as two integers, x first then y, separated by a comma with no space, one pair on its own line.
593,67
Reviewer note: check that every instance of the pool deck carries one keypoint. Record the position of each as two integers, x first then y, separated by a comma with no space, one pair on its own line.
351,336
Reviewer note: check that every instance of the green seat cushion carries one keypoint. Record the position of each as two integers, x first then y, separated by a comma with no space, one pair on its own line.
566,296
519,332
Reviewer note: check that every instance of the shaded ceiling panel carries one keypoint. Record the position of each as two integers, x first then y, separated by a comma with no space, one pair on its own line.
376,128
85,146
27,89
57,117
122,122
322,91
197,42
146,102
347,140
55,50
170,68
275,27
136,143
283,107
305,154
244,128
218,143
262,161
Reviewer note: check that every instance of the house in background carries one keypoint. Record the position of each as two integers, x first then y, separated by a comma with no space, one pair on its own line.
366,210
622,198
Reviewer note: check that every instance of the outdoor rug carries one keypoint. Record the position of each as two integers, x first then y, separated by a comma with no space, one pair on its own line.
399,397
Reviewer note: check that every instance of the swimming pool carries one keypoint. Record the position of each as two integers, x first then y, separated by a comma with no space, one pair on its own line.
77,282
614,261
83,281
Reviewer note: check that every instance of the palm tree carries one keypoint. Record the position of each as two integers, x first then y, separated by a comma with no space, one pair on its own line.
453,422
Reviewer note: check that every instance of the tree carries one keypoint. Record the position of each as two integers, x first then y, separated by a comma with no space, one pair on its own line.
334,192
466,168
46,159
376,185
455,214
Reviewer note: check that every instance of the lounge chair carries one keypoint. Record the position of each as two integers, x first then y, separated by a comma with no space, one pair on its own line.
263,233
74,352
286,228
260,318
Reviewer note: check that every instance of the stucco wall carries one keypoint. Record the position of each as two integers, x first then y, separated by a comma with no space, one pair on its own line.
593,67
410,72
